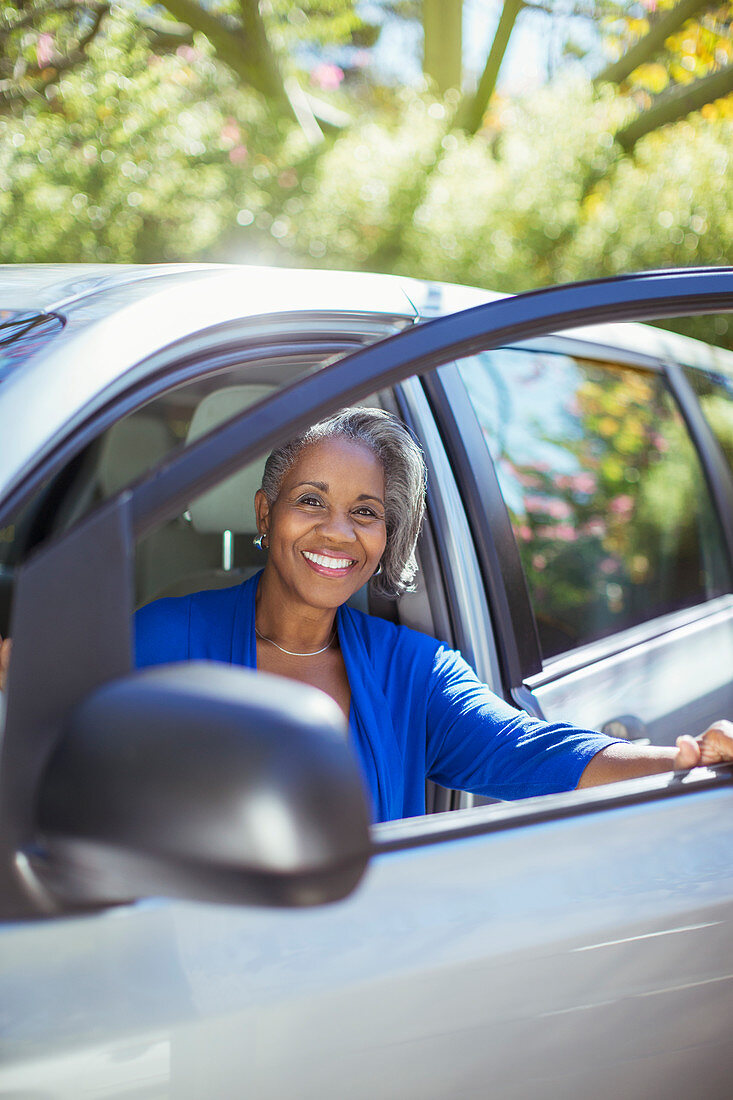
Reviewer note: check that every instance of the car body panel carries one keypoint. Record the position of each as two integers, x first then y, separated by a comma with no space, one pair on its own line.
451,965
669,682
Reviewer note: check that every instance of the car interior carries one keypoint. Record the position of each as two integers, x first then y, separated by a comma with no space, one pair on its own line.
210,545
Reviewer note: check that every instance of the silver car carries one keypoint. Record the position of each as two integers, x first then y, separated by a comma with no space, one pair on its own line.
194,903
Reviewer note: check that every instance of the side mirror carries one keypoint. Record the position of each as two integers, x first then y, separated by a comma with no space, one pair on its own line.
202,781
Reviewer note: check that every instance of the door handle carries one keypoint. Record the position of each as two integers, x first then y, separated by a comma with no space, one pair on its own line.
629,727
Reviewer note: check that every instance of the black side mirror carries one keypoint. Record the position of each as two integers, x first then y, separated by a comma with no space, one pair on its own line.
202,781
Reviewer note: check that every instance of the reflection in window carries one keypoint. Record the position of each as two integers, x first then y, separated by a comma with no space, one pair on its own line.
604,489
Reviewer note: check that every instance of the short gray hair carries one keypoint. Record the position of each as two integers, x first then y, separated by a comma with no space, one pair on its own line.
404,483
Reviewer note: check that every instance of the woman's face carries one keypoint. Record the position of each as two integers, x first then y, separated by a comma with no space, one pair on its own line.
326,531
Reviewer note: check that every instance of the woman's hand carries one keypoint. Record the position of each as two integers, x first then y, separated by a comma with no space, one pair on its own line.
5,647
714,746
627,761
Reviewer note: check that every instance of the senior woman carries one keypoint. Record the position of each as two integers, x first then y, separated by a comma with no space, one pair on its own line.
341,505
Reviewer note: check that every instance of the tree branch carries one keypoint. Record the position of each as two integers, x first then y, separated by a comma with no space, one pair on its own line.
166,34
235,45
33,16
652,42
676,105
102,10
473,108
246,49
546,9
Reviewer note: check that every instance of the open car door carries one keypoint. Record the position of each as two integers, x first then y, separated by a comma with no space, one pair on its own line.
565,946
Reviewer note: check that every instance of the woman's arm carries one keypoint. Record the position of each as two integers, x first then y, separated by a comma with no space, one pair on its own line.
623,761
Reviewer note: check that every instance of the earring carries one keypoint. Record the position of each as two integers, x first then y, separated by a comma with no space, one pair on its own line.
377,571
258,541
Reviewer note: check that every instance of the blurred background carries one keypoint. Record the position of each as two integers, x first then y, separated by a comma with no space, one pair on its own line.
503,144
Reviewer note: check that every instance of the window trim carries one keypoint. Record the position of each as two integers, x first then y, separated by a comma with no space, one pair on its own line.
585,349
470,614
715,468
563,664
454,825
493,535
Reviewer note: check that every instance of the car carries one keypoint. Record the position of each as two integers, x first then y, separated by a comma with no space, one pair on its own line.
194,902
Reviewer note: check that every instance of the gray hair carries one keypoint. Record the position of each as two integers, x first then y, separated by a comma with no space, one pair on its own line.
404,483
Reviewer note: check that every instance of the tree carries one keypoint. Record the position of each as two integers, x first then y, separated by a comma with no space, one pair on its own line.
473,107
131,158
41,39
131,154
648,45
443,43
673,62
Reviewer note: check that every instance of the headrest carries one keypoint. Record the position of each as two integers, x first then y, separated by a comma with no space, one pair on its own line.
130,448
230,506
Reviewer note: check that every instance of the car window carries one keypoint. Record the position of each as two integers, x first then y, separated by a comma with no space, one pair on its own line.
607,499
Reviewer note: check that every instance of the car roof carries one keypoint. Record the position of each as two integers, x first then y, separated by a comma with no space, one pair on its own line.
117,318
50,286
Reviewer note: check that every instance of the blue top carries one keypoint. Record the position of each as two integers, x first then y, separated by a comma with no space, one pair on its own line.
417,708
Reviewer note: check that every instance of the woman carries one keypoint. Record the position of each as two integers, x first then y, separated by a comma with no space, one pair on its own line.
340,505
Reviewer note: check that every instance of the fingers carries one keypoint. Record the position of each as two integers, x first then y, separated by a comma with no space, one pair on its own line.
714,746
5,647
716,743
689,753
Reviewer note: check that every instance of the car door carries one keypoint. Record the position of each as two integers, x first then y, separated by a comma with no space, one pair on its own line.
614,530
560,946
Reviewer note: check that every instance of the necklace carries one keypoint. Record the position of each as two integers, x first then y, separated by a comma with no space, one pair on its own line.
290,652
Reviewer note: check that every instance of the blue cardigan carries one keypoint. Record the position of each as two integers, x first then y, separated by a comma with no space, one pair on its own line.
417,708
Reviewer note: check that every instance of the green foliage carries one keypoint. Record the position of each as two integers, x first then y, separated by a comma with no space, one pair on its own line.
130,157
542,195
38,40
699,46
499,211
319,22
133,156
668,205
361,192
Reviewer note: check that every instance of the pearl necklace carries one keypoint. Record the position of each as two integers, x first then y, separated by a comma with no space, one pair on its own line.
290,652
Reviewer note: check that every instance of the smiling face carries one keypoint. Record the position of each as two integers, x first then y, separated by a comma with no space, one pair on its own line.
326,531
